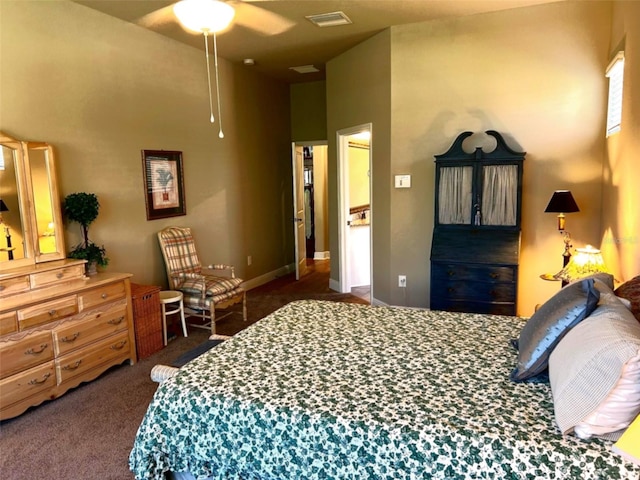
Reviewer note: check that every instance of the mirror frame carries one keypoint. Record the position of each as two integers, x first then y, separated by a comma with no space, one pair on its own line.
32,254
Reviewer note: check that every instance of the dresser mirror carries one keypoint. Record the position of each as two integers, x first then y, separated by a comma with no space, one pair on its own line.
31,222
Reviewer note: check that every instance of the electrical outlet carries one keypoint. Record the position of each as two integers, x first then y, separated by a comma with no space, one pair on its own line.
402,281
249,260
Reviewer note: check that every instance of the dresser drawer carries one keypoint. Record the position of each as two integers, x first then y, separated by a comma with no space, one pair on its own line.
27,383
47,312
16,355
58,275
13,285
112,350
98,296
79,333
8,323
482,273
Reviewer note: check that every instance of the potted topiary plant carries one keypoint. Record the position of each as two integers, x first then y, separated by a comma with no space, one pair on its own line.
83,208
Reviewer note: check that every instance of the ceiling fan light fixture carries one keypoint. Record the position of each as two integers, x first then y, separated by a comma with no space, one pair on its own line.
204,15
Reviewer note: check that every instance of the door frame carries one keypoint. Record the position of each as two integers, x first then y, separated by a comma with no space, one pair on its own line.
342,142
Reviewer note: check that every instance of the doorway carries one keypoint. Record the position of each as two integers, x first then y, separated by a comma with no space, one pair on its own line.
355,212
310,203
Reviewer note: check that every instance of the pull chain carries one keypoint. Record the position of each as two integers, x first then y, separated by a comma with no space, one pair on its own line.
206,48
215,56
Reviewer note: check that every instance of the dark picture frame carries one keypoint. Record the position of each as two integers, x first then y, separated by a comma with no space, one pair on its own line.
163,183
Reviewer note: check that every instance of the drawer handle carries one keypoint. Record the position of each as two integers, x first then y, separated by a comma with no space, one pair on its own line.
104,296
52,312
451,289
119,345
40,382
70,339
494,275
59,275
451,273
72,367
31,351
2,287
116,321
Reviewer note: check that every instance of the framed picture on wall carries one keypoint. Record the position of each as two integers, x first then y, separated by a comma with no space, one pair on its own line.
163,183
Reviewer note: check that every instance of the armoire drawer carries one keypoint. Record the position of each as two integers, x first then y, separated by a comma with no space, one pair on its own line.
482,273
47,312
493,308
17,355
27,383
475,291
99,296
78,333
112,350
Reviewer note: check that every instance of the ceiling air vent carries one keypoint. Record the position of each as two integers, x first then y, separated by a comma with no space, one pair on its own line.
329,19
304,69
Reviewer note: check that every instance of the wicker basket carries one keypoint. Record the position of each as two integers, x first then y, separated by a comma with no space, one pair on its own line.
147,319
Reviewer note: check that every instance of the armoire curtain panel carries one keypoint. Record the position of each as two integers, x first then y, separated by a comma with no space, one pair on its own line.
454,197
499,194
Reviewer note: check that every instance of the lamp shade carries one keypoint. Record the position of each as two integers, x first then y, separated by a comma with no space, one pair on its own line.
3,206
202,16
586,261
562,202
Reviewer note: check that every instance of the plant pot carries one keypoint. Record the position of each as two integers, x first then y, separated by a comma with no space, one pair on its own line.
91,268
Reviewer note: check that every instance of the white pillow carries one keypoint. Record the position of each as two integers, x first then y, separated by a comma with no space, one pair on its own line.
616,412
594,373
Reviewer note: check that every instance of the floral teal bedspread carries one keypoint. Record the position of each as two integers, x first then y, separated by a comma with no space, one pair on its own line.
325,390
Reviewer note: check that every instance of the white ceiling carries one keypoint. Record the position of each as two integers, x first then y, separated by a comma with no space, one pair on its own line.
254,31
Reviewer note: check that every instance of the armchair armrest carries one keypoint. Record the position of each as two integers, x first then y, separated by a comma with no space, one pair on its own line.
221,266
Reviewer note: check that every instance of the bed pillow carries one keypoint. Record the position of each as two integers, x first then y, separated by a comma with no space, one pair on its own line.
548,325
630,291
594,373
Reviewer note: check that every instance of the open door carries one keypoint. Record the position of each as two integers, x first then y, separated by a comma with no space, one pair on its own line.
298,211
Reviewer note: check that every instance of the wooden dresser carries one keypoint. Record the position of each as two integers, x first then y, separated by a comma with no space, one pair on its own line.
476,239
59,328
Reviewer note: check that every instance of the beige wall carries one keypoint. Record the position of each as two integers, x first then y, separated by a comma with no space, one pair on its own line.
620,242
534,74
320,199
359,92
308,111
358,177
101,90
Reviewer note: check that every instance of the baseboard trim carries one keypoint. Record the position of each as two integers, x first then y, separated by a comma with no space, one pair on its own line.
267,277
321,256
334,285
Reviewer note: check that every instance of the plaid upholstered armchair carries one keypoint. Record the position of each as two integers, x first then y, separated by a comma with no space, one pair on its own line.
204,289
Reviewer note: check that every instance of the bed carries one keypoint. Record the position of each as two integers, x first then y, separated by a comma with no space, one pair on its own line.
327,390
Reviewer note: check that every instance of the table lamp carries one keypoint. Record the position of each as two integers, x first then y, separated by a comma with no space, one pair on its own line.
586,261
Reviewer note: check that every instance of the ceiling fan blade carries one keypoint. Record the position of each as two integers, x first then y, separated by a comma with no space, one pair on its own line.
260,20
157,18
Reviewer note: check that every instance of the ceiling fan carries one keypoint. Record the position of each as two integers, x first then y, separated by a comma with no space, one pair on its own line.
209,17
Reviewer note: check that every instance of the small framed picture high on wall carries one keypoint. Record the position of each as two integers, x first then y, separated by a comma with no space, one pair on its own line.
163,183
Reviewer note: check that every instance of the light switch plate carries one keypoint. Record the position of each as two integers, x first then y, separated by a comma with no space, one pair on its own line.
403,181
